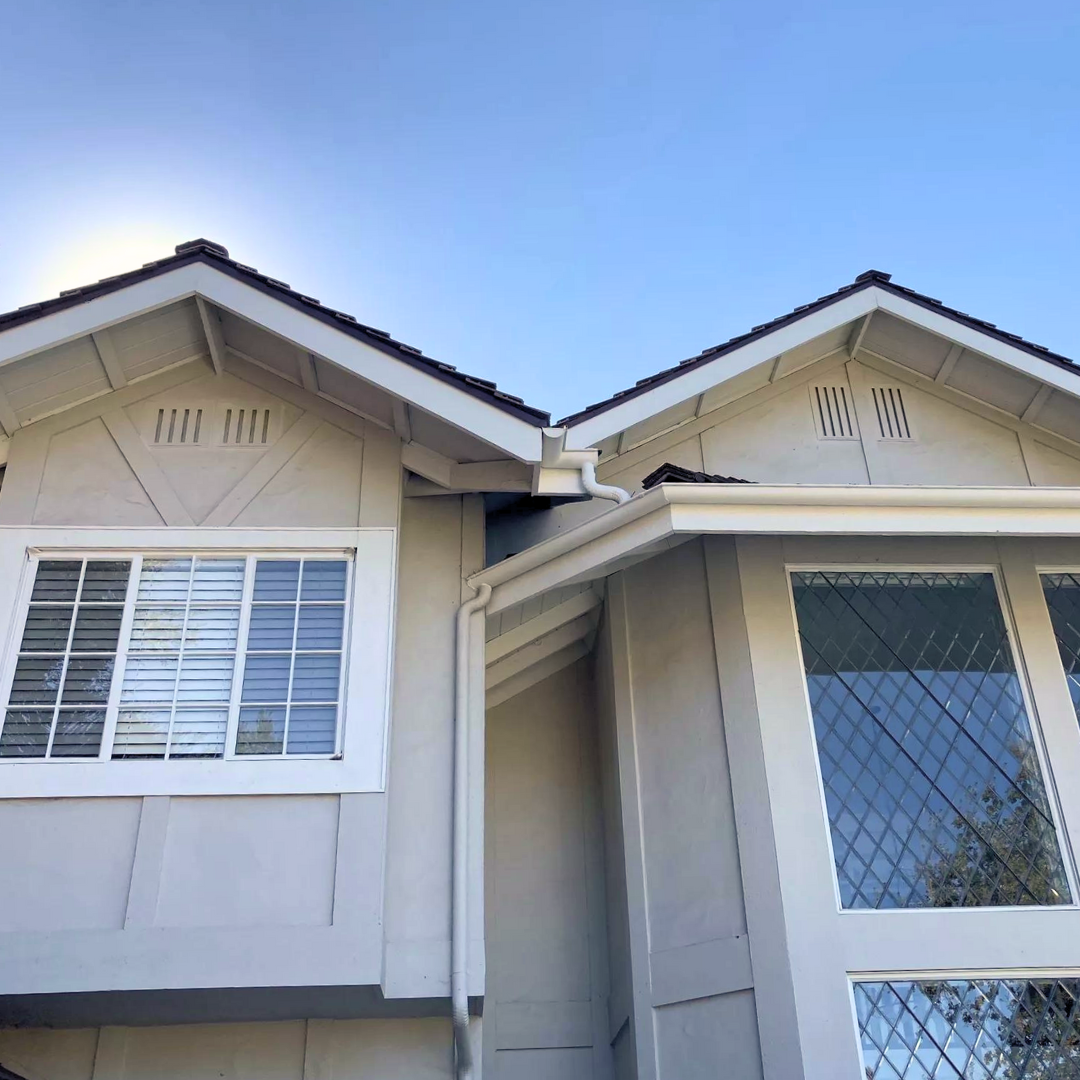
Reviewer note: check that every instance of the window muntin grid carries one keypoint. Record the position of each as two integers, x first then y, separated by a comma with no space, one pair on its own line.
292,671
180,659
963,1029
932,780
1062,593
59,693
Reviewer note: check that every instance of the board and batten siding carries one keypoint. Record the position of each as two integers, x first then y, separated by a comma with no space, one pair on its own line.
682,994
403,1049
180,893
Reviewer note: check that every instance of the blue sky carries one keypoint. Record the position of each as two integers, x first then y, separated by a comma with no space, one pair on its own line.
562,196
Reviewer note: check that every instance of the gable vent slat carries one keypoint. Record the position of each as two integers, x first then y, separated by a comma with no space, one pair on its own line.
891,413
834,412
177,427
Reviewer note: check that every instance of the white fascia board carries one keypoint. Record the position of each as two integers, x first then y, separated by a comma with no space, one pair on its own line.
777,509
516,437
99,314
696,380
1044,370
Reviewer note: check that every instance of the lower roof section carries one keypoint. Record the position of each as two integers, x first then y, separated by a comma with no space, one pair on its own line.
671,513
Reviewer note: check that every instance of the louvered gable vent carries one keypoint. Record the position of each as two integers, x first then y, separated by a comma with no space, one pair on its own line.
890,411
834,411
178,427
246,426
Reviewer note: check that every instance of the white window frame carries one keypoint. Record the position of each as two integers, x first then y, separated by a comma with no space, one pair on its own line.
358,761
939,975
828,949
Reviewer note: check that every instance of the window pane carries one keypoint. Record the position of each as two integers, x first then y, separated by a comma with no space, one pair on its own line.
105,580
320,627
26,733
57,579
141,733
205,678
149,679
218,580
266,678
198,733
989,1029
312,729
37,680
78,733
1062,592
97,629
156,628
212,628
324,579
933,786
276,579
88,680
315,677
46,629
261,730
165,580
271,627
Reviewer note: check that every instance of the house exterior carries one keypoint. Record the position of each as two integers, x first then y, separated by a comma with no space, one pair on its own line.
360,722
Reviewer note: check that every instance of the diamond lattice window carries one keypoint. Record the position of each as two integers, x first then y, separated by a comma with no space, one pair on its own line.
983,1029
933,786
1062,592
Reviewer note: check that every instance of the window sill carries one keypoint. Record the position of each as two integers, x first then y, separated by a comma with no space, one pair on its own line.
263,776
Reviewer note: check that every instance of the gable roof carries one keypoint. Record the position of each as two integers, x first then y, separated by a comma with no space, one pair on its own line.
870,279
217,256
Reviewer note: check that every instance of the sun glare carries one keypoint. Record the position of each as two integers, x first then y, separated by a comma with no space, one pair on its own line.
103,253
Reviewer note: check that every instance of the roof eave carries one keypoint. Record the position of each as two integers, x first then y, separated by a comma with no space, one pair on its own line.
592,426
513,429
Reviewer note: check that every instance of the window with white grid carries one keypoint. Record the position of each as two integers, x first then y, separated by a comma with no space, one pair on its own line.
179,656
59,693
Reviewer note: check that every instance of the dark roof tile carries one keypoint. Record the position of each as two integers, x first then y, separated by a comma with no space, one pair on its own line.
676,474
217,255
865,280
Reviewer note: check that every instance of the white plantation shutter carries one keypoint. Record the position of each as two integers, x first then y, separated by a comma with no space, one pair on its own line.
181,658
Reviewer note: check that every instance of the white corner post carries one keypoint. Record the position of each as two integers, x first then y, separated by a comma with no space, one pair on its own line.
459,904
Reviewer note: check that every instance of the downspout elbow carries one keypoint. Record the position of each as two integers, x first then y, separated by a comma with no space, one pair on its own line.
459,905
598,490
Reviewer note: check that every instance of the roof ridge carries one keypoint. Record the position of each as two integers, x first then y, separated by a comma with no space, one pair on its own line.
217,254
867,279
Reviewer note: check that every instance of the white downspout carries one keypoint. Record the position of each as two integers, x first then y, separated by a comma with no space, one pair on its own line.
601,491
459,906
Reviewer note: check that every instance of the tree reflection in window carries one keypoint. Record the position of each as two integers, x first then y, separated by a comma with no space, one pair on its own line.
933,786
979,1029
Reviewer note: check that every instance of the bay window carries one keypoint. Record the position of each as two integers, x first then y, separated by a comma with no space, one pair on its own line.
916,700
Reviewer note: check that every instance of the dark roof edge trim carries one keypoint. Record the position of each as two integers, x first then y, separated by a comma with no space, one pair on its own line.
879,281
676,474
279,291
